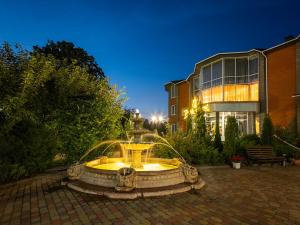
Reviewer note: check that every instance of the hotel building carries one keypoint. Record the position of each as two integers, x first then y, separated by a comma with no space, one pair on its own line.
247,85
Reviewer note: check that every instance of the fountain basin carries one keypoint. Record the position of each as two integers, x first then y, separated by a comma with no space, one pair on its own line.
157,177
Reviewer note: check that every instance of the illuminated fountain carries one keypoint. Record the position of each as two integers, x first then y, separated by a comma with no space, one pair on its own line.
134,173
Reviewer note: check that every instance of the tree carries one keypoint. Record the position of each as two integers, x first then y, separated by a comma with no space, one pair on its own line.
66,53
267,131
200,125
189,123
217,140
48,108
231,136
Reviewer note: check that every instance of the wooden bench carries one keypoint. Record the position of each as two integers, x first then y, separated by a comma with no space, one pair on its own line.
263,154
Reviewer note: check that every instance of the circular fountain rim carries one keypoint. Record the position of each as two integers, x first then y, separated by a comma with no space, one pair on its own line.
172,162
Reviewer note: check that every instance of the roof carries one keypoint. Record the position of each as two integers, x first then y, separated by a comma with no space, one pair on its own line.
260,50
175,82
283,44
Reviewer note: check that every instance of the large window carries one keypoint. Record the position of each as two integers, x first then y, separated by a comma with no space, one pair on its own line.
231,79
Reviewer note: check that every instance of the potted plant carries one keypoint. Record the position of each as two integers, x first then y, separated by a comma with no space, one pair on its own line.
296,159
236,161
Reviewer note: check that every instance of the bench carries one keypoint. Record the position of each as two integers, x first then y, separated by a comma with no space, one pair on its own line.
263,154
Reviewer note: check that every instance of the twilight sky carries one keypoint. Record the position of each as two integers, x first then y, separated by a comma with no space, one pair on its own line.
141,45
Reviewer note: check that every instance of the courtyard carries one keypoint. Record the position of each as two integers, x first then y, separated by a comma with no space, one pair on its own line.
252,195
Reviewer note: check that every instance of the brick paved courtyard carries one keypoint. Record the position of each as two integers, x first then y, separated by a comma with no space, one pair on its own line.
256,195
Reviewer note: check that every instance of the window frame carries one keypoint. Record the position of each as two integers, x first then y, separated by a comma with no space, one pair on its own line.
173,91
173,110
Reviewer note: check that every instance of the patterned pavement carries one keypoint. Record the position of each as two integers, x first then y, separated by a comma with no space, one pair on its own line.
252,195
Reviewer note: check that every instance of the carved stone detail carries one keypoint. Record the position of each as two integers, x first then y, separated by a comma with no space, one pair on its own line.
74,172
125,179
190,173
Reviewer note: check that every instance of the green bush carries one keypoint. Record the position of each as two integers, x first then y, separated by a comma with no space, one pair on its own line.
247,141
267,131
231,136
191,149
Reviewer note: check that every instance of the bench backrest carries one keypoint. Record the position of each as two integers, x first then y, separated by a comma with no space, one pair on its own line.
260,151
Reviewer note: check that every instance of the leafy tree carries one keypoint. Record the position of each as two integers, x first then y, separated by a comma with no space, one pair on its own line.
267,131
48,109
231,136
66,53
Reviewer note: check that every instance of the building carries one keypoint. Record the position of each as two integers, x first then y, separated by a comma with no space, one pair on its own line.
247,85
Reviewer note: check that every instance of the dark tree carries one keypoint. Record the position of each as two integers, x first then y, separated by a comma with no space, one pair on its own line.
67,53
217,140
147,125
267,131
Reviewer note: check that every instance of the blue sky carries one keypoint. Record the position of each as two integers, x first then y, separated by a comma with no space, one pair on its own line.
141,45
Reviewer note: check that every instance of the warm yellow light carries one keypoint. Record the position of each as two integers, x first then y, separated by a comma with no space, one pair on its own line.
194,103
160,118
154,119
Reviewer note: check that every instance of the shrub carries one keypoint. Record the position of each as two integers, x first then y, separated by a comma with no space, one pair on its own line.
231,136
247,141
191,149
217,143
267,131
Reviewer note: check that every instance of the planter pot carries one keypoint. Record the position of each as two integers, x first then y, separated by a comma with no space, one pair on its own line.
236,165
296,162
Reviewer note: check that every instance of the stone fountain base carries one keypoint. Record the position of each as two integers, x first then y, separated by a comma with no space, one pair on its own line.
80,186
129,183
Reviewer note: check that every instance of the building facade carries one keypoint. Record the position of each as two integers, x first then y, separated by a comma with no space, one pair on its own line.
247,85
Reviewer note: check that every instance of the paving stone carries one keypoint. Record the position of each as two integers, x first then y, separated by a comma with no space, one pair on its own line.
252,195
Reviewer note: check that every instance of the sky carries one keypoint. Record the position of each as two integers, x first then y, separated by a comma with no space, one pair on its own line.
141,45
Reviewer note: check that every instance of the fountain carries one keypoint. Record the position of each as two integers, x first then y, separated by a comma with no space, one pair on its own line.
135,173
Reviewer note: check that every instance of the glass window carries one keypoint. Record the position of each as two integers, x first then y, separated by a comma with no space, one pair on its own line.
196,83
173,91
242,92
173,109
206,95
242,70
229,93
253,69
217,70
253,65
229,73
217,94
253,92
206,76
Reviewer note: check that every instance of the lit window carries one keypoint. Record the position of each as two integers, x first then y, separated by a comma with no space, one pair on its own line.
217,94
173,91
173,109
